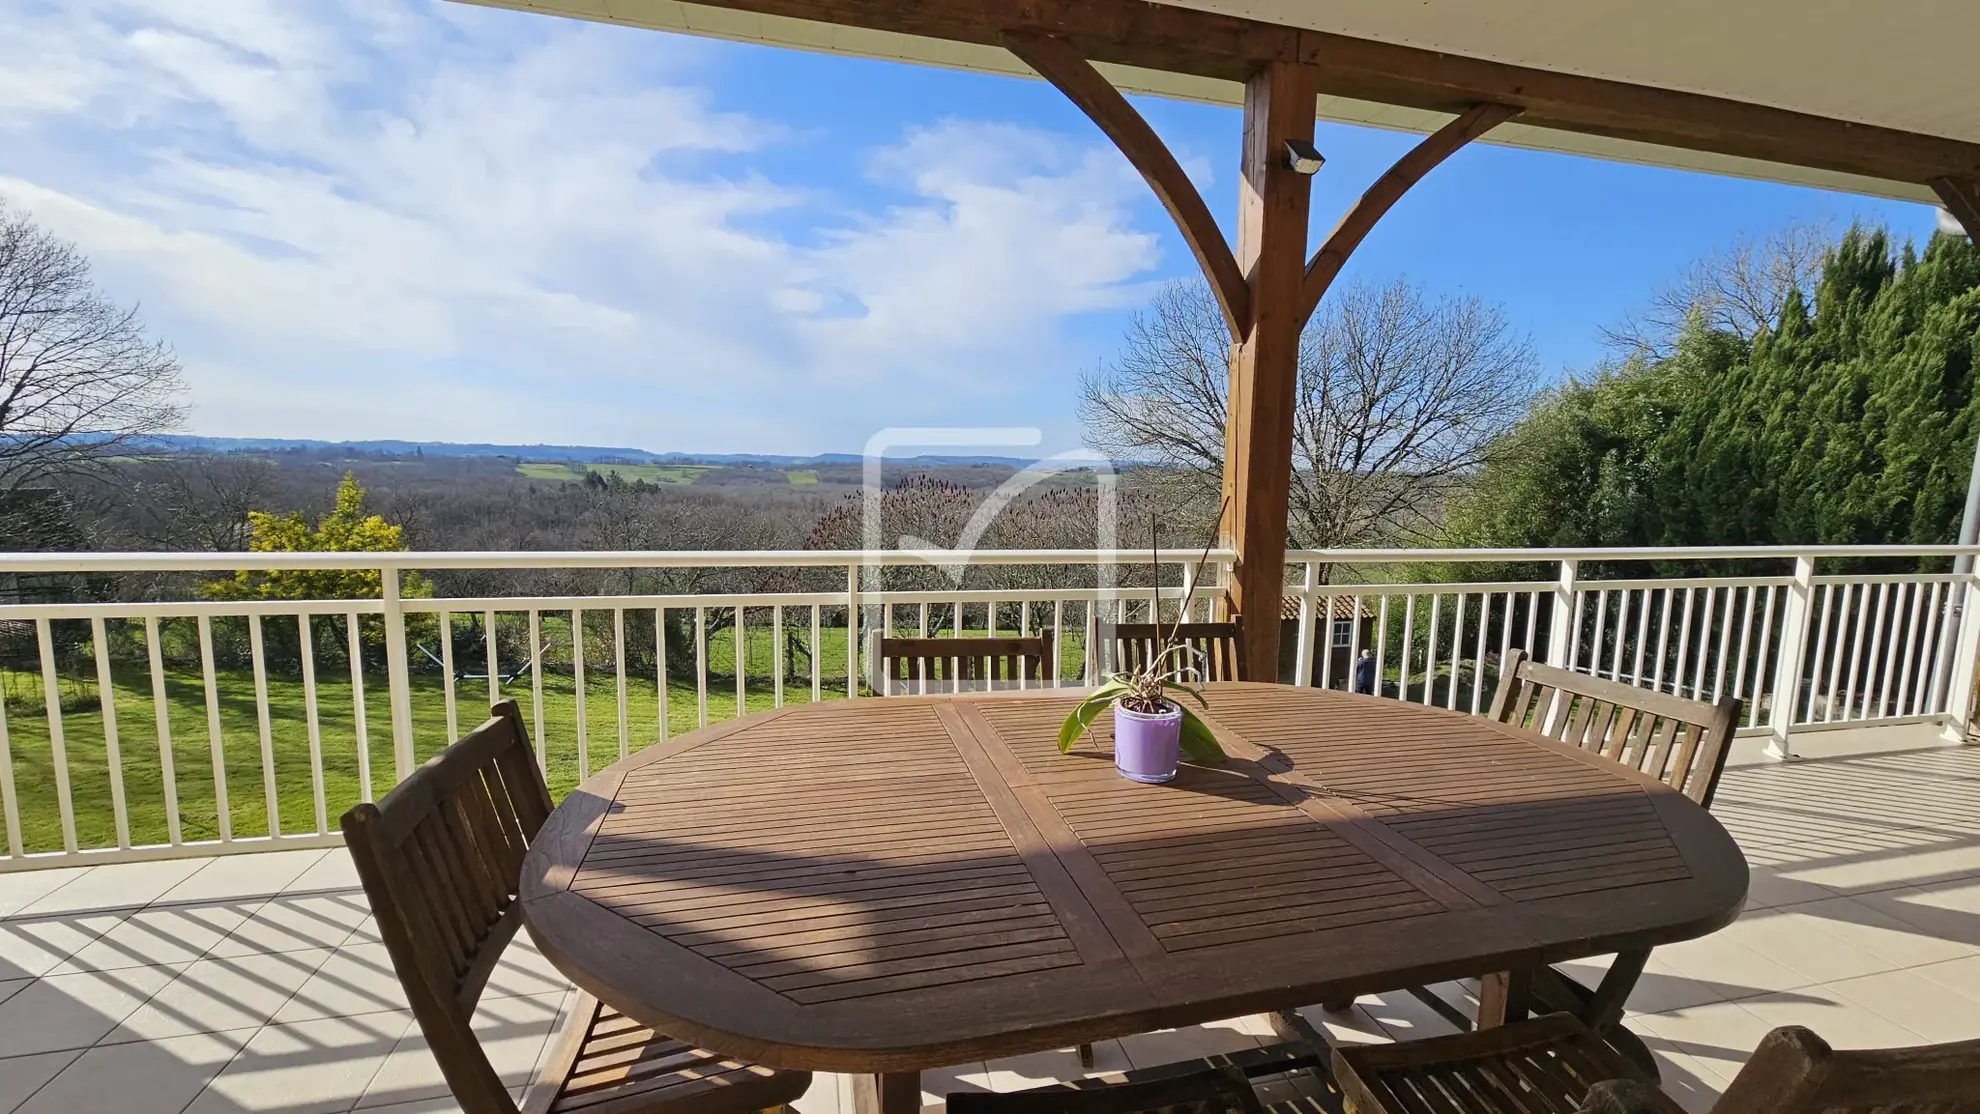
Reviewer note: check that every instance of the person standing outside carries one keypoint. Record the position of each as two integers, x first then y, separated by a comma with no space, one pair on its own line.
1364,673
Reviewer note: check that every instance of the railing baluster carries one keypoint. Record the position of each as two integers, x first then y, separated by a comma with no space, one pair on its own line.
577,691
1684,643
223,809
1382,642
1478,671
1894,594
777,655
1836,654
701,665
446,636
619,679
10,804
1303,653
313,724
1622,635
537,647
258,657
1907,704
1725,643
494,669
742,659
1354,641
1058,638
1642,636
162,716
1863,709
106,700
58,747
359,726
1704,643
1408,635
660,686
1862,599
817,653
1767,656
398,677
1595,644
1430,652
1663,641
1814,663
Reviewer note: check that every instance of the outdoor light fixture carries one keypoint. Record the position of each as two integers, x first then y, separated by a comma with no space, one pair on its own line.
1302,158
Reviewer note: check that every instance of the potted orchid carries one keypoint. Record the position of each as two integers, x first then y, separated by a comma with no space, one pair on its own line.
1151,729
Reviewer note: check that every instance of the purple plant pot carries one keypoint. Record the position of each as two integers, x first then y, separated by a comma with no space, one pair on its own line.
1146,746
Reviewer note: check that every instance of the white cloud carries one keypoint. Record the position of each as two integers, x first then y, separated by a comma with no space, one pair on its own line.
381,220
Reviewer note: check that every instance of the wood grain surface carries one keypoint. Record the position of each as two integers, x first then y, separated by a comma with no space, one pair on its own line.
890,885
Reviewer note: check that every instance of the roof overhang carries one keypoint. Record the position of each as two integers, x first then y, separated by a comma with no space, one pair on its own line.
1851,97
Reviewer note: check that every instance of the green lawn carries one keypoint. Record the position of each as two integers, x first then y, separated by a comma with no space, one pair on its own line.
679,474
240,742
802,477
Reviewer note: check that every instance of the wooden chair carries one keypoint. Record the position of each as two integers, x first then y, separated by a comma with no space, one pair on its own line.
1547,1066
1556,1066
1221,1084
1682,743
440,858
1214,648
916,665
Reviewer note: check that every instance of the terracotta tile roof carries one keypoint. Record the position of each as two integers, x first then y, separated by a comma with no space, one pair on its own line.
1343,607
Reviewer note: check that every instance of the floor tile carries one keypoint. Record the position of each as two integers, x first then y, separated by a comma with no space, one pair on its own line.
216,995
237,877
1948,910
9,987
354,980
1930,1009
1959,975
1718,1036
1662,988
31,946
296,922
512,1032
312,1067
1685,1078
1801,941
157,1077
74,1011
22,888
1882,923
1768,889
1729,967
936,1085
22,1076
334,871
1841,1022
116,886
821,1098
173,934
1403,1017
1350,1026
1168,1046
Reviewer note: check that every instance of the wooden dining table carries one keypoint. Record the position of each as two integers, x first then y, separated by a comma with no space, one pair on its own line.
881,886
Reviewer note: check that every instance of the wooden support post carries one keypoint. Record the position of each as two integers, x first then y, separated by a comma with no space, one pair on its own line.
1273,202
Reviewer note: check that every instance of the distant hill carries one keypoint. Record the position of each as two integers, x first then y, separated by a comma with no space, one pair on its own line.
577,454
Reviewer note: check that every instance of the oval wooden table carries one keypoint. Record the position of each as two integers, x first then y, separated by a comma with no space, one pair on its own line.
885,885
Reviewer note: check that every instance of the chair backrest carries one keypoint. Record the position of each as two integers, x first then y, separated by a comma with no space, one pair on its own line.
916,665
1682,743
1213,646
1796,1072
440,857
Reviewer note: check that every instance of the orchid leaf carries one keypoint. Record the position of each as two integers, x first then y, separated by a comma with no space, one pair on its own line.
1087,711
1198,741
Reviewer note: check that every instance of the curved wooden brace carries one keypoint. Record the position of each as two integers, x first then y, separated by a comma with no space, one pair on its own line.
1961,197
1360,218
1074,76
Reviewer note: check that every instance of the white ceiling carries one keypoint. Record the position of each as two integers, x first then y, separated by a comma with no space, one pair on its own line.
1907,64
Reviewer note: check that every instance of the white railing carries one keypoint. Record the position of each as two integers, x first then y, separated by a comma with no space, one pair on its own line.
168,727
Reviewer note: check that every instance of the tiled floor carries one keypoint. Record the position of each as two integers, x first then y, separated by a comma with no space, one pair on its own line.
255,983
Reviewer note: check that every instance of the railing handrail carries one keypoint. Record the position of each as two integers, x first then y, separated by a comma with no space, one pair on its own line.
230,561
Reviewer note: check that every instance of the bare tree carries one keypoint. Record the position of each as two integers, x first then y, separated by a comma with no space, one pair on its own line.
199,501
1398,395
78,379
1738,290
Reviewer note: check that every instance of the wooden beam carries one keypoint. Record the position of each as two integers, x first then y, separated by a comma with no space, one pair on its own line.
1961,197
1074,76
1360,219
1180,40
1273,205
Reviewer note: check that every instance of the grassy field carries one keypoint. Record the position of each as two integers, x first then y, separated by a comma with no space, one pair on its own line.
652,473
802,477
192,751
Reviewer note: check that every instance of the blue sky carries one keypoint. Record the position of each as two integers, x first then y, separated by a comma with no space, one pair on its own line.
416,219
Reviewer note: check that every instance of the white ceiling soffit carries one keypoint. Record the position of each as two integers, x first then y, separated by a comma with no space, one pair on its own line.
1884,64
